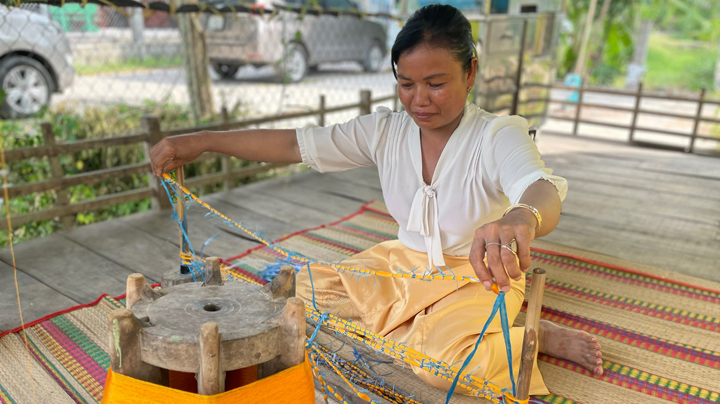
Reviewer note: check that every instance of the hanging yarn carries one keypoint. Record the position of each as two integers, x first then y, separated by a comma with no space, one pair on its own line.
359,381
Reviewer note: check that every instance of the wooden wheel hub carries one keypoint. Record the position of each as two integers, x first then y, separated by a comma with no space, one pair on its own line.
208,329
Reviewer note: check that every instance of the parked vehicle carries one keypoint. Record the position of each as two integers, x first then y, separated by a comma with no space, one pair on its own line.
35,61
291,43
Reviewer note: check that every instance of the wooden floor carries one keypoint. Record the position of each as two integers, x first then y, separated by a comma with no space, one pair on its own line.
654,207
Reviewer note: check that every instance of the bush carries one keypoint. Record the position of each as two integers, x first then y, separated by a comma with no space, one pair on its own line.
72,124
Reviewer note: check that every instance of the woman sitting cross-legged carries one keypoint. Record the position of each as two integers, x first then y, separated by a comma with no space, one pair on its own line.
463,184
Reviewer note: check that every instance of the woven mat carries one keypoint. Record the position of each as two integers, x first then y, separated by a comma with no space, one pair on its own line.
659,330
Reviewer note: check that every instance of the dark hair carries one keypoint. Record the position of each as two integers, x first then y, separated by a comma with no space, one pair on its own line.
437,25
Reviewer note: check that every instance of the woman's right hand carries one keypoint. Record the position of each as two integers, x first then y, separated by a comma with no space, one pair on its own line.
173,152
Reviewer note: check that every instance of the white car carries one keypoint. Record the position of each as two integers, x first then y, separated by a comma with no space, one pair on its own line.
35,62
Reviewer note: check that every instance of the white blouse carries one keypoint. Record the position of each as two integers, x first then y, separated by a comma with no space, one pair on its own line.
486,166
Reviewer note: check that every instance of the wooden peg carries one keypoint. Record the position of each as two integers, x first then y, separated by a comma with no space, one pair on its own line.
125,348
213,274
530,340
292,351
283,285
138,289
210,378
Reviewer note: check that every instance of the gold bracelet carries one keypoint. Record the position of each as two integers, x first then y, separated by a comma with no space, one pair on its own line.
528,207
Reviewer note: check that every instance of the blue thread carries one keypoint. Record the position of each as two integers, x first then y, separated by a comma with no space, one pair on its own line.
312,287
508,347
498,301
202,249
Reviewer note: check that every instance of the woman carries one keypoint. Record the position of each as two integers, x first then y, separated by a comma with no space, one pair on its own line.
462,184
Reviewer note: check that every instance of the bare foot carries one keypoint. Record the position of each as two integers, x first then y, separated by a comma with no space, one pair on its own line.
573,345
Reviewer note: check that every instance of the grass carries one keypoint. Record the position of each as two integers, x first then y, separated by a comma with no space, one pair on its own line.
678,64
132,64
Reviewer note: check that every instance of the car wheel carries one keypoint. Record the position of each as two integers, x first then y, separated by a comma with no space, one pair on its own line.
294,65
225,70
373,58
27,84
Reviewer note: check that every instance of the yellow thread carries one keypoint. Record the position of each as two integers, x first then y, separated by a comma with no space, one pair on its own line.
186,192
3,167
474,385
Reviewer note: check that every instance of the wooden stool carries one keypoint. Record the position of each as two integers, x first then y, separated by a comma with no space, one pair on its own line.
208,329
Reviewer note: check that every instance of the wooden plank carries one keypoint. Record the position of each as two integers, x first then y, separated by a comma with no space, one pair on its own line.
238,173
134,249
343,188
68,268
637,199
37,299
92,204
287,212
649,181
301,195
672,165
696,257
92,177
366,177
159,224
72,147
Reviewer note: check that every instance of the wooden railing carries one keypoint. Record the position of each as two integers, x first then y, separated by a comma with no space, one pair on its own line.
151,134
697,118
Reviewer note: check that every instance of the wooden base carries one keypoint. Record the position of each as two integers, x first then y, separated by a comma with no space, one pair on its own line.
208,329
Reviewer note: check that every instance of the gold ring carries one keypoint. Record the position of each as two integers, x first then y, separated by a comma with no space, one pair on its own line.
511,246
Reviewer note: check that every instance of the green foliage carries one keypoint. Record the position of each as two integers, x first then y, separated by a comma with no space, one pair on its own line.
132,64
71,124
673,63
688,19
609,55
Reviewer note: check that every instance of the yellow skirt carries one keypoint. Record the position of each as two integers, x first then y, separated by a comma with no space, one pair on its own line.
442,319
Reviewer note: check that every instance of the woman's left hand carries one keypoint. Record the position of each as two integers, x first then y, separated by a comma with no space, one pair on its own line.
496,240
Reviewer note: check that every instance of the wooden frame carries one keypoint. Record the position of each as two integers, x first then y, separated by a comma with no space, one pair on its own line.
636,110
151,134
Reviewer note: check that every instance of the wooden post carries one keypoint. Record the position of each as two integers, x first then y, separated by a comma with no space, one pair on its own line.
225,159
283,285
213,273
532,328
151,125
578,106
636,108
292,351
125,347
518,74
321,115
182,221
56,171
196,63
210,378
137,289
365,102
696,122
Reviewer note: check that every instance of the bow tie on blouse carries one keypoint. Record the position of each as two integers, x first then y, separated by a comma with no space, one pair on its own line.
424,220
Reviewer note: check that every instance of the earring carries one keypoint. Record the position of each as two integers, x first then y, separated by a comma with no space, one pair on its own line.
468,90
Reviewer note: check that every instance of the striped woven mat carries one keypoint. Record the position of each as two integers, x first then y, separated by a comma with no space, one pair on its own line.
660,336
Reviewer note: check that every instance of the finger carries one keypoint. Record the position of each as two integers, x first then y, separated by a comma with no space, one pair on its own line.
508,258
477,256
170,165
523,251
496,266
